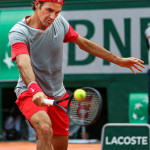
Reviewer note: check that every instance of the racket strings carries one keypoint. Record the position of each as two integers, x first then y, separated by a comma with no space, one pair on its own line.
84,112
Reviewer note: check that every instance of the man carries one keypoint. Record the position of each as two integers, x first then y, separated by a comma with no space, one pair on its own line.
36,43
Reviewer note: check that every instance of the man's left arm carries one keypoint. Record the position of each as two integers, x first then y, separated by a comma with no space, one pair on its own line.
99,51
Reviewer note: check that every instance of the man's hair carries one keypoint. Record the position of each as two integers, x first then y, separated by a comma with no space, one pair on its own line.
41,4
33,4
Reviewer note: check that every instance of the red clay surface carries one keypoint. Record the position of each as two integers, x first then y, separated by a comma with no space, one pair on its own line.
32,146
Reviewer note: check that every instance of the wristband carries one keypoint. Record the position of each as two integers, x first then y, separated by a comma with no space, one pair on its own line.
34,88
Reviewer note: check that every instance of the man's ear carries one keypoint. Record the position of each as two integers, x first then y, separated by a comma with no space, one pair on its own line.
37,4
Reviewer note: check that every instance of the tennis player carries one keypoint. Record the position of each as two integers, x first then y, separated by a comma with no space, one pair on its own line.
37,47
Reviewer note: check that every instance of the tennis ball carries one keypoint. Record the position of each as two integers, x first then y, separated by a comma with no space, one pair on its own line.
79,94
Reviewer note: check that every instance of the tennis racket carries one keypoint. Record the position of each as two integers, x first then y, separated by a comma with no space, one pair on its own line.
85,112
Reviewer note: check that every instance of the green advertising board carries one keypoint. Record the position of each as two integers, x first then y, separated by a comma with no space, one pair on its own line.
138,107
8,69
125,137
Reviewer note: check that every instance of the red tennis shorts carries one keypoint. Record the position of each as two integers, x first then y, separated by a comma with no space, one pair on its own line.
59,118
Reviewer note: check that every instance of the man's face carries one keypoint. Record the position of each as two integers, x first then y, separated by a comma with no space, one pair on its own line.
47,13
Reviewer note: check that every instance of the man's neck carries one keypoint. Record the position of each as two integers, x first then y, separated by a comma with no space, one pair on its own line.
33,22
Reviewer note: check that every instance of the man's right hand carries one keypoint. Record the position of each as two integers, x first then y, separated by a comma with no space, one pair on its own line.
38,99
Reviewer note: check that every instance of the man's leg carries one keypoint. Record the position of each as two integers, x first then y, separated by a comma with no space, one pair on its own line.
42,124
60,124
60,142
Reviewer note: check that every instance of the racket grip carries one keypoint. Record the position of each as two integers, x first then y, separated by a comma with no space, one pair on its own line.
49,101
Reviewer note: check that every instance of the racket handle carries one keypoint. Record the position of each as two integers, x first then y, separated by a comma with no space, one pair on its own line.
49,101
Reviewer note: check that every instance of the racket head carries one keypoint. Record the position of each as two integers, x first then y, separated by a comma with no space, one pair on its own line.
86,112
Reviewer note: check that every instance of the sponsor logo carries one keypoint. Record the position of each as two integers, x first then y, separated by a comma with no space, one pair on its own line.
32,90
127,140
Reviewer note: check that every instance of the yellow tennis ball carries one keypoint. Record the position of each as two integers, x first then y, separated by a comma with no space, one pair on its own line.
79,94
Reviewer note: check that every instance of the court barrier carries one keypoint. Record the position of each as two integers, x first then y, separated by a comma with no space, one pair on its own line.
125,136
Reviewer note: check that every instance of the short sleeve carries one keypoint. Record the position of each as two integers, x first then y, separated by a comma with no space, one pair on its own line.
18,41
18,49
71,36
16,37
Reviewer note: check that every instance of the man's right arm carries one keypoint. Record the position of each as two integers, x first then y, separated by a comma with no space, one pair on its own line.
19,53
24,65
23,62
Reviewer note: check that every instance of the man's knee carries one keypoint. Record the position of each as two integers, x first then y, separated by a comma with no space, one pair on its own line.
46,129
45,132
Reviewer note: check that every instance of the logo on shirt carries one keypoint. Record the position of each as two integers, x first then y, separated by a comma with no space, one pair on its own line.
55,35
32,90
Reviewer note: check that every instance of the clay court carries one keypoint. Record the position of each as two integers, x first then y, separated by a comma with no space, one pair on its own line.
32,146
